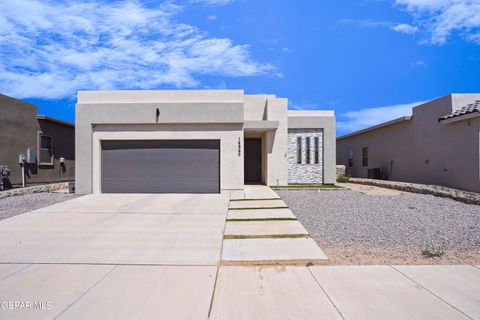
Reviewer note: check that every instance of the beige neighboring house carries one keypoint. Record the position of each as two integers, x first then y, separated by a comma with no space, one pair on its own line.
48,144
438,144
200,141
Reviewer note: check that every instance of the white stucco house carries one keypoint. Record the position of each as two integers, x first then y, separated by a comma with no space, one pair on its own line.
201,141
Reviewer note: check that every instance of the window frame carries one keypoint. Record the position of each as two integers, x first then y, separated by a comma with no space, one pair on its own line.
364,157
299,149
39,149
350,158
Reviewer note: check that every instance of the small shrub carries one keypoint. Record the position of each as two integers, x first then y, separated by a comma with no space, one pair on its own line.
309,264
432,252
342,178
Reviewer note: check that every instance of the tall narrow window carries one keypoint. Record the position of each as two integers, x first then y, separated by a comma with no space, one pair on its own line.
299,150
365,156
307,149
317,150
45,149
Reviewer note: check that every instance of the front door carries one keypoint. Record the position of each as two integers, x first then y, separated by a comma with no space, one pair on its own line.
253,161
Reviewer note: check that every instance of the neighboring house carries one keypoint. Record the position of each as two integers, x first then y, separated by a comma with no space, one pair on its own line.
438,144
44,140
198,141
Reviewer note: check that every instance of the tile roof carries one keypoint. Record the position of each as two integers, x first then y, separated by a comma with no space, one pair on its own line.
469,108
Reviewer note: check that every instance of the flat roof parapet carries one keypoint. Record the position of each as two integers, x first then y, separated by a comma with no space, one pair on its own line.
157,96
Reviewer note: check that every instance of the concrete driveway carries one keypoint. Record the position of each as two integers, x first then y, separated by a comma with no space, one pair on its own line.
158,257
113,257
119,229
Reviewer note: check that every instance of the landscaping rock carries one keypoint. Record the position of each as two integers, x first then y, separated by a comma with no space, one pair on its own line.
439,191
33,189
355,228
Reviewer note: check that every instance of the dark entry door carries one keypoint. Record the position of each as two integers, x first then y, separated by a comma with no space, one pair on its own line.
161,166
253,161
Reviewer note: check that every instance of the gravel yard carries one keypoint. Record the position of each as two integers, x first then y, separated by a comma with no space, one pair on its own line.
355,228
12,206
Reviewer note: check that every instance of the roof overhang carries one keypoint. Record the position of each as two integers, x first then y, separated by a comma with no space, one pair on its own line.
378,126
54,120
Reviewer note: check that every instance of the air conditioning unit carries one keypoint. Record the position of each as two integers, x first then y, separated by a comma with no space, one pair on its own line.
375,173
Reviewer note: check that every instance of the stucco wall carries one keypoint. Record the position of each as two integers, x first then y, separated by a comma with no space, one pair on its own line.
96,109
63,146
193,115
422,150
276,143
255,106
231,163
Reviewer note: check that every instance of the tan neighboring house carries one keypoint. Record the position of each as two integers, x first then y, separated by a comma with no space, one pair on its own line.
48,144
199,141
438,144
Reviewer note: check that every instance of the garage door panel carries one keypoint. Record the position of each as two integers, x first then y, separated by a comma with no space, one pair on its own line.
161,166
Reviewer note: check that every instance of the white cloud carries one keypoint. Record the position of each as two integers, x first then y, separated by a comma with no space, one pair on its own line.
405,28
212,17
419,63
303,106
50,49
363,118
442,18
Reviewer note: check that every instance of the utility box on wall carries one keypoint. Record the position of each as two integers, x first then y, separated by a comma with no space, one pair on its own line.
31,157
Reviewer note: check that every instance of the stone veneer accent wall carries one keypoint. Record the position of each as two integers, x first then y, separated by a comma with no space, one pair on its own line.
305,173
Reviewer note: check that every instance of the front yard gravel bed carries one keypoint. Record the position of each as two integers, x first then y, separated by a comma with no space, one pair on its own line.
14,205
355,228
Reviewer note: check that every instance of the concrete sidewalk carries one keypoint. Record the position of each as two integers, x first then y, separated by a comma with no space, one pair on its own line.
70,291
352,292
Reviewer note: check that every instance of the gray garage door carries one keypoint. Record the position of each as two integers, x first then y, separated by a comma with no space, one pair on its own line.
161,166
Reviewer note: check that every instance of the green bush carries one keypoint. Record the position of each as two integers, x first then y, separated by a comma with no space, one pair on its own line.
342,178
432,252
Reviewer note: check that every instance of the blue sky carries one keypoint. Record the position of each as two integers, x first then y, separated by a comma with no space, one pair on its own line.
369,60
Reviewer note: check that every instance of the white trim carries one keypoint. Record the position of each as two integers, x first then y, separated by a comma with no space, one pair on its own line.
40,134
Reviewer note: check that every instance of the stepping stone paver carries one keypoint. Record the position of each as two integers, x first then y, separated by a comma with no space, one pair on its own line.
259,192
256,204
264,251
269,293
380,292
457,285
255,228
260,214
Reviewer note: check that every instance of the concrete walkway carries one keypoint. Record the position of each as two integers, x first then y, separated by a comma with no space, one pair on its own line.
159,257
261,230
